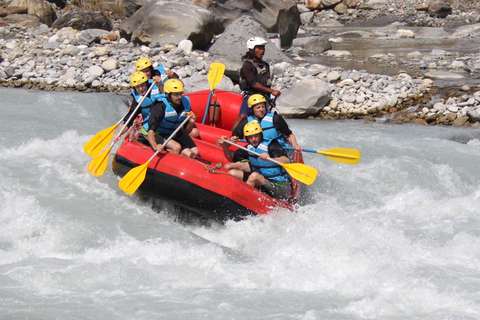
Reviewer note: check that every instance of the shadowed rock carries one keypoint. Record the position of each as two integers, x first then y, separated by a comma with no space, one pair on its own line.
83,20
439,10
279,16
12,10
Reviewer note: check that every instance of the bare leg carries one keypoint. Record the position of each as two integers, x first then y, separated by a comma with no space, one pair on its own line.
190,153
236,173
173,147
243,166
194,133
256,179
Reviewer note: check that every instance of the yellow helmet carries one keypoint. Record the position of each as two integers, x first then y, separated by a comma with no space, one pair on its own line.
252,128
138,78
143,63
255,99
173,85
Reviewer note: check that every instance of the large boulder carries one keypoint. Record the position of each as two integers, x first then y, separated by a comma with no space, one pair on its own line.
439,10
40,8
304,99
229,11
12,10
168,22
83,20
314,44
278,16
131,6
24,20
198,82
232,44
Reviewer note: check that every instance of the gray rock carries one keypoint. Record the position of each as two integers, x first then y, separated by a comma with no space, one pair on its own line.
315,44
232,44
39,8
82,20
169,22
439,10
282,17
9,71
473,116
314,93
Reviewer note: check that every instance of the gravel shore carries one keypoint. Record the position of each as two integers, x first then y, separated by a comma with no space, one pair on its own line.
99,61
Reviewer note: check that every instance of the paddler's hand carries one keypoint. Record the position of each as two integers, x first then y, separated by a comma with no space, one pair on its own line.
159,148
275,93
157,80
297,147
170,73
233,139
192,116
221,141
263,156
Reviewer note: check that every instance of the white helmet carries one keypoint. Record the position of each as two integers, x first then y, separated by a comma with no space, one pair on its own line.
255,41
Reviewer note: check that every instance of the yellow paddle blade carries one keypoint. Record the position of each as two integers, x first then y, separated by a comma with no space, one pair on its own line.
301,172
134,178
215,74
348,156
99,164
95,145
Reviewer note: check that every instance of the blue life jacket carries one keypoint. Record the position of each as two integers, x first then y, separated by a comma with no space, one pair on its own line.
269,130
163,73
148,101
172,119
268,169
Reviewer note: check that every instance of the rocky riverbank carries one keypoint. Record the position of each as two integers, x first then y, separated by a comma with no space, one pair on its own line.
94,60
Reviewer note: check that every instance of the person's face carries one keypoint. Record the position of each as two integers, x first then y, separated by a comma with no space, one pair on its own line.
255,139
148,72
259,51
259,110
141,88
176,97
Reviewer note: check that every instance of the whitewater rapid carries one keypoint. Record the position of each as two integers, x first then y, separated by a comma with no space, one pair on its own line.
393,237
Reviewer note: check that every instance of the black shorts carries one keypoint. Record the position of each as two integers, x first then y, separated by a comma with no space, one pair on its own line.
183,139
159,139
277,190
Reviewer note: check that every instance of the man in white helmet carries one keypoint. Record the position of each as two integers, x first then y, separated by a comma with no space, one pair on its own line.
255,76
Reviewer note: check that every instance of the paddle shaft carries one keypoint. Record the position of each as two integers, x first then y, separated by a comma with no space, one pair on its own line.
139,105
305,150
330,153
98,164
253,152
170,137
298,171
208,106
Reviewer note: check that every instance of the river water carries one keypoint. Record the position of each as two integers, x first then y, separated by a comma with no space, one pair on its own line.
426,40
396,236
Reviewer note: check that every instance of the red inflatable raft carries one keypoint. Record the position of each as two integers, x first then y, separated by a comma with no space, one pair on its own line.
201,185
